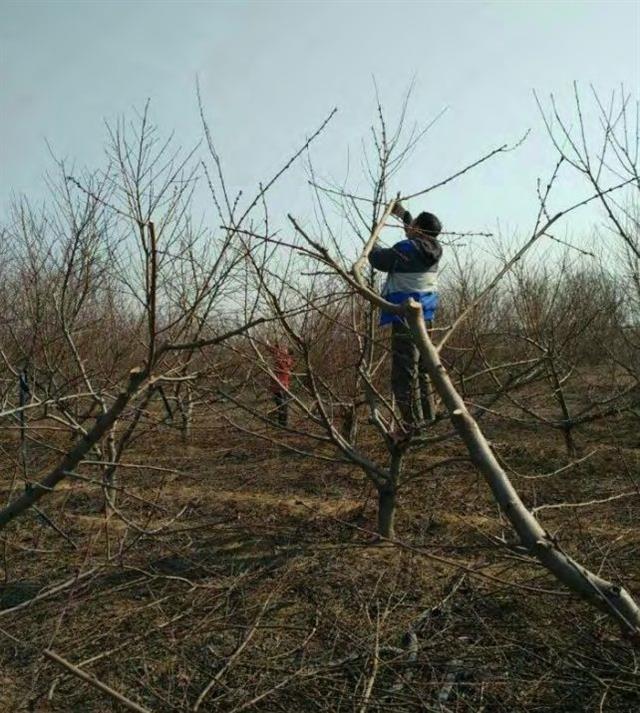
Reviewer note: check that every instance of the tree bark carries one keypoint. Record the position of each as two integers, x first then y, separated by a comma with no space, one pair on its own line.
386,512
186,413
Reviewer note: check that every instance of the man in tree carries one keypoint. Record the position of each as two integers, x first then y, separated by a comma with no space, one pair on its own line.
412,272
282,365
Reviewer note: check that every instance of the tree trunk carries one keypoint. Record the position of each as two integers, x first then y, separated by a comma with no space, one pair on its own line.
564,407
109,475
428,401
350,424
386,512
568,441
186,410
428,396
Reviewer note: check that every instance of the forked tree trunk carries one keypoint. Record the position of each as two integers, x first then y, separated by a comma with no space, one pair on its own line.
564,408
388,494
611,599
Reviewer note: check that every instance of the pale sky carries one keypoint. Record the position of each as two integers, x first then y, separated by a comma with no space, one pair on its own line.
271,71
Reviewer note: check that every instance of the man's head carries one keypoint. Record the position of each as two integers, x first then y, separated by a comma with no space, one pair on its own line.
423,225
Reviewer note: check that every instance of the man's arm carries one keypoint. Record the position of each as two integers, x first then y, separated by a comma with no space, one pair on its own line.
385,259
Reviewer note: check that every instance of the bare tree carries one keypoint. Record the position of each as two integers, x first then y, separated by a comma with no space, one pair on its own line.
611,598
122,293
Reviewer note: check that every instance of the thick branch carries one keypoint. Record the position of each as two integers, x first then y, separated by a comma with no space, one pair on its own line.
36,491
610,598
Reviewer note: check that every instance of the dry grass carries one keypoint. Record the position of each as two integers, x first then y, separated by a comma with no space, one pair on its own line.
273,548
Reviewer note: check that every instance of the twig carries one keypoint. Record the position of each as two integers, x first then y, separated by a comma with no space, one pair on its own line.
92,680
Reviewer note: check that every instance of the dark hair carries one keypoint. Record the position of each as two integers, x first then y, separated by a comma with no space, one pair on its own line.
428,223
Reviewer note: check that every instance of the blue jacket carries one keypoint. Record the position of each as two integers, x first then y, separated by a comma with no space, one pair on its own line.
412,271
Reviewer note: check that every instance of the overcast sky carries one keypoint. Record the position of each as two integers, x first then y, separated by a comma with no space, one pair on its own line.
271,71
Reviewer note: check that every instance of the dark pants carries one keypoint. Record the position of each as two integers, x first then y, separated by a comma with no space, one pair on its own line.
282,407
409,381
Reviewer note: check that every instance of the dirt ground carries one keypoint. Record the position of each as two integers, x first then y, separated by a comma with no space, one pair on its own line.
269,592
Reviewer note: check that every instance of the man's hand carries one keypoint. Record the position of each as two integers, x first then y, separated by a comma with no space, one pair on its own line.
398,210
